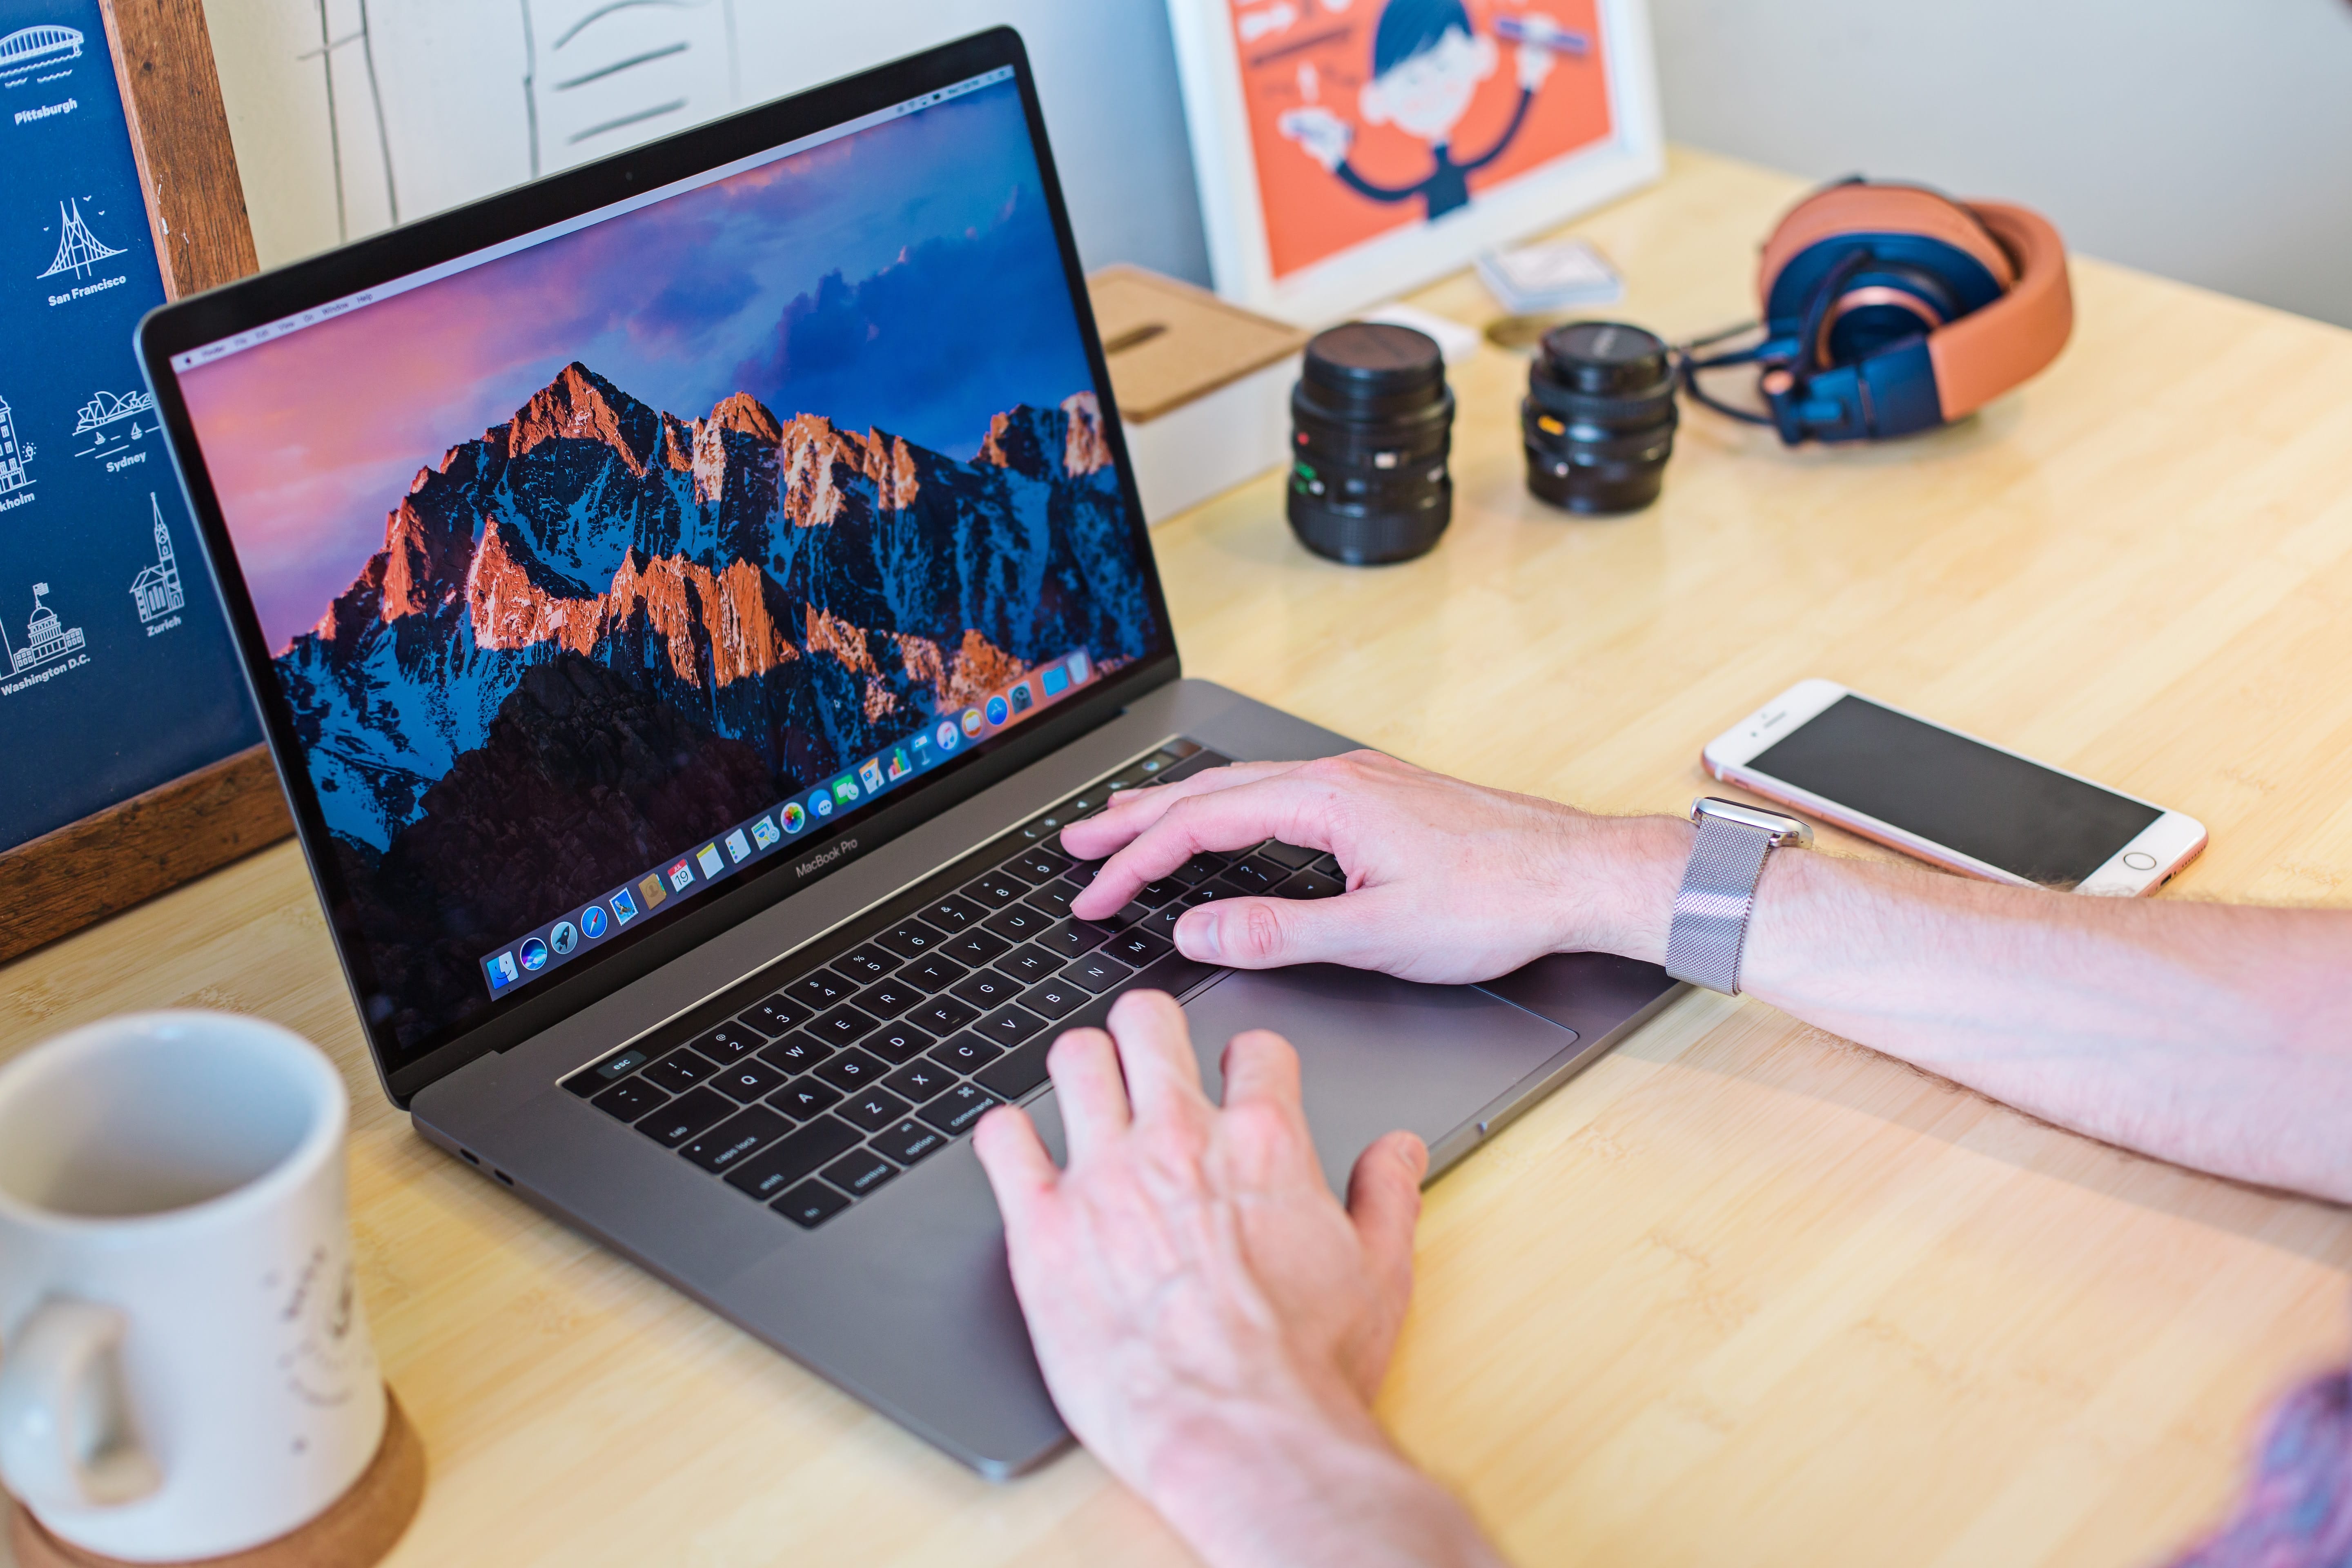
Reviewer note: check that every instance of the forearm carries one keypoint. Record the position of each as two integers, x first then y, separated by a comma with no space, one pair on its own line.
2212,1036
1288,1485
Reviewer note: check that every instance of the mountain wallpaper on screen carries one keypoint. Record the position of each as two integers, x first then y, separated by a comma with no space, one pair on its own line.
600,633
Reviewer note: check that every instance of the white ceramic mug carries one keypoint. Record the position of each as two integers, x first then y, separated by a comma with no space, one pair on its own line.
185,1371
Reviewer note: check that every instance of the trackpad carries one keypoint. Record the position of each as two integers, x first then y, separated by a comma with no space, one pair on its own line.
1377,1054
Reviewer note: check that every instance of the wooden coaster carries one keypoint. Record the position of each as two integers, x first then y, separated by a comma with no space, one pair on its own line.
356,1531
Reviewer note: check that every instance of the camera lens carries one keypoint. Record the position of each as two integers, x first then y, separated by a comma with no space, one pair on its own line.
1599,417
1372,421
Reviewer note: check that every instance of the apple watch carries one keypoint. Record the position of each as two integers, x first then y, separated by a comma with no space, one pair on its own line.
1719,890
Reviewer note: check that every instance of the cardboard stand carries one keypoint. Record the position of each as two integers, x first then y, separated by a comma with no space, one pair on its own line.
356,1532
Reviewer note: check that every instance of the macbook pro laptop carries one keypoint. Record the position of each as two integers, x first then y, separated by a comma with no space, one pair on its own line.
687,596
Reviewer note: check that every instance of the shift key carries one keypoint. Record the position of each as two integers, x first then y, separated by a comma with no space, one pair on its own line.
769,1172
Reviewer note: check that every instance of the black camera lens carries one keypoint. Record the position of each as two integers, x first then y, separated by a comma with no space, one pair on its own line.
1599,417
1372,421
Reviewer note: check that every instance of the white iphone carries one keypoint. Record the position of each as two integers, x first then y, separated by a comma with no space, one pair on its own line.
1953,800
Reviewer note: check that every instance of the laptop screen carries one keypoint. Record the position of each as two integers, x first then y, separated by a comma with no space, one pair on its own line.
601,568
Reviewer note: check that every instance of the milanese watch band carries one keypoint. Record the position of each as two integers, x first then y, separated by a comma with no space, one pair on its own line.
1719,889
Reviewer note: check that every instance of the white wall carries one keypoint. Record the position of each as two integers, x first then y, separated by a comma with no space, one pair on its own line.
438,101
2208,142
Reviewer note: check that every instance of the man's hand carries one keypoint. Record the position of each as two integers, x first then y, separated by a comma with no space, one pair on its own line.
1323,135
1535,64
1447,881
1211,1322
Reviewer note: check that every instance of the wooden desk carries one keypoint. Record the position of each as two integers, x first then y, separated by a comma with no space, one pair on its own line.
1742,1294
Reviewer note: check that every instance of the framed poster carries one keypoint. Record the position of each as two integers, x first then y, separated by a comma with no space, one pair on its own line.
1349,149
130,753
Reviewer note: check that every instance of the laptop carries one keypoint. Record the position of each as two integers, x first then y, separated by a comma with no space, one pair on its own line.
687,596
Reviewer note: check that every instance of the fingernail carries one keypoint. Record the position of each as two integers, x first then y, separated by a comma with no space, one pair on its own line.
1197,934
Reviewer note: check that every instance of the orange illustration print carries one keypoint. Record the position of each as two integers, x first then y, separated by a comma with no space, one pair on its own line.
1368,117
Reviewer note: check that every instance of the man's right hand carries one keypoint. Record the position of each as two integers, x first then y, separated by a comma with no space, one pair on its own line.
1447,881
1324,136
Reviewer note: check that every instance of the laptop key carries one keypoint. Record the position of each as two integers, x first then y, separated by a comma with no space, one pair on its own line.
1139,948
629,1099
1309,884
860,1172
1199,868
965,1052
805,1097
680,1070
984,988
995,890
1289,855
1154,894
873,1109
729,1043
910,1141
724,1146
954,912
888,999
896,1043
1019,922
749,1079
976,946
1037,865
1255,875
797,1053
852,1070
1008,1026
867,965
821,990
778,1015
1016,1072
1098,972
911,940
1054,898
843,1026
611,1069
958,1109
810,1204
1071,938
1210,893
935,972
1330,866
1054,998
943,1014
779,1165
919,1080
1174,973
1029,964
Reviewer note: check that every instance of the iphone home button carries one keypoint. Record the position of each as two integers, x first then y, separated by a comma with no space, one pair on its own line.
2140,860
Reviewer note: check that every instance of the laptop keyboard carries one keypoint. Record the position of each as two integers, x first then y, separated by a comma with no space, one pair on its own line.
815,1082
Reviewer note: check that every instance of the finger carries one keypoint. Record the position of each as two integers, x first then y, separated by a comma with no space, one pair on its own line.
1131,811
1294,806
1155,1046
1020,1172
1260,1064
1359,930
1084,1065
1384,1202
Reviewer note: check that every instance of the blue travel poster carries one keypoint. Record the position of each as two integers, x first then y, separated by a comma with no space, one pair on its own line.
117,672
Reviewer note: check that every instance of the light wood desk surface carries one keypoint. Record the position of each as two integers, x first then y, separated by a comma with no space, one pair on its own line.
1743,1293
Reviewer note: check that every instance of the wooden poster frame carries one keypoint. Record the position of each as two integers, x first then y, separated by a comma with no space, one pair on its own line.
83,872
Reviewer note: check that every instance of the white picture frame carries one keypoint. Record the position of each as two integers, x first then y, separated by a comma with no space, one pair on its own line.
1409,250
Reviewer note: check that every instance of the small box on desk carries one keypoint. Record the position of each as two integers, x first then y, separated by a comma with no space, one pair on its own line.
1203,387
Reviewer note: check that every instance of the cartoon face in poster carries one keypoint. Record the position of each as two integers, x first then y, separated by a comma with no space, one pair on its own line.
1367,116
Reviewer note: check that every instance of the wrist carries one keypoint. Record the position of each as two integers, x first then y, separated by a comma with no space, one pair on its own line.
1298,1482
1618,895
